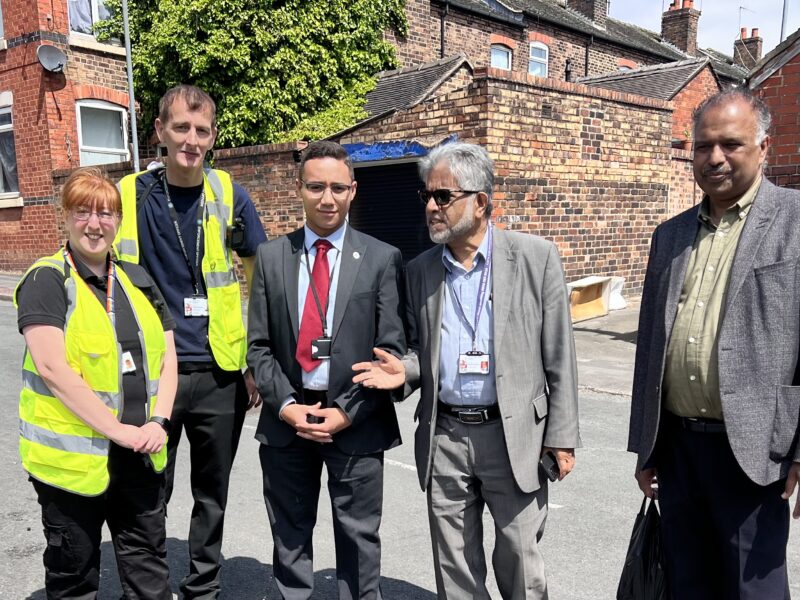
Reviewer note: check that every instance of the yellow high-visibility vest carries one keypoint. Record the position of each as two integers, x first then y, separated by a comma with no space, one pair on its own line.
55,446
226,331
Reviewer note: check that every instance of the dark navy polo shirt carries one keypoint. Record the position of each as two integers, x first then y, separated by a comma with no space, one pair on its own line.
160,253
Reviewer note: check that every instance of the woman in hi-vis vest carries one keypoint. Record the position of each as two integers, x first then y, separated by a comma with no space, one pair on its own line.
99,379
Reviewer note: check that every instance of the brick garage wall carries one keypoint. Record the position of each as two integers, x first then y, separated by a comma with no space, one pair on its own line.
594,177
698,89
781,92
683,190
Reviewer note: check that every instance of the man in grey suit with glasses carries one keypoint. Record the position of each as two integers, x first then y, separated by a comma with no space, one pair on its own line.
491,347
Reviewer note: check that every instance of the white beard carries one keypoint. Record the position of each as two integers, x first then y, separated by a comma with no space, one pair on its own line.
462,227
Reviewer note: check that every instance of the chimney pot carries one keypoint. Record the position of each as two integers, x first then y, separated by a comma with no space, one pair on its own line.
673,5
755,32
688,3
743,34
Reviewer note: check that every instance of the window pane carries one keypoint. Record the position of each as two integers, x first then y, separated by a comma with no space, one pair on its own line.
501,58
537,52
80,15
100,158
537,68
5,117
8,163
1,21
101,128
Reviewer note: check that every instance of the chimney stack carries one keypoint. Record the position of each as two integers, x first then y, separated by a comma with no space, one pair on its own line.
679,25
747,50
596,10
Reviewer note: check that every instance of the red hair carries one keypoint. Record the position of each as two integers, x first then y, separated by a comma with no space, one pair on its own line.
88,187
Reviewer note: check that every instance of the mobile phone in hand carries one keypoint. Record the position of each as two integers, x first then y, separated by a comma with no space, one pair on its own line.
549,465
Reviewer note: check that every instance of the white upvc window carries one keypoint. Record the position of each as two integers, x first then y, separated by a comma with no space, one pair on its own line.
83,14
501,57
2,35
102,132
537,59
9,182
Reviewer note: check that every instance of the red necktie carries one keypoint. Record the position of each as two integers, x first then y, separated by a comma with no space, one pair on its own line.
310,323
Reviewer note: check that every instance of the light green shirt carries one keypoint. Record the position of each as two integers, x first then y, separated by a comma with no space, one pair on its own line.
691,375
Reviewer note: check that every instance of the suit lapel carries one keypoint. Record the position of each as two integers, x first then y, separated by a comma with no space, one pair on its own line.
504,269
755,228
349,264
434,305
291,274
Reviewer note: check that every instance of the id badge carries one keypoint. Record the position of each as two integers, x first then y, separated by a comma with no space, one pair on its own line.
128,366
474,363
196,306
321,348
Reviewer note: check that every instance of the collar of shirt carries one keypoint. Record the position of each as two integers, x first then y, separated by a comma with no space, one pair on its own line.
738,211
451,263
336,238
86,273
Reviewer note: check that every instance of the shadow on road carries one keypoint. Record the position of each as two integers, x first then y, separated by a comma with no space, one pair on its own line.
243,578
622,336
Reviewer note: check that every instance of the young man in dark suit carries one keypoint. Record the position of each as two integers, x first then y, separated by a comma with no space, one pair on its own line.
323,297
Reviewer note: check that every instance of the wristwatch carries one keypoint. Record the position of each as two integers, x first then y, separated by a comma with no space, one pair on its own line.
165,423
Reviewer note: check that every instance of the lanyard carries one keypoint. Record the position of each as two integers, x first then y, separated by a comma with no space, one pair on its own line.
173,213
112,276
484,283
322,315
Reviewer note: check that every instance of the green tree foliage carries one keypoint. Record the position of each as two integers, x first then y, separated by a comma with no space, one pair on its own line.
278,70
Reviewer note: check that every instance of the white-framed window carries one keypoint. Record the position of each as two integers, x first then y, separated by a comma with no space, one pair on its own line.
501,57
102,132
537,59
2,35
83,14
9,183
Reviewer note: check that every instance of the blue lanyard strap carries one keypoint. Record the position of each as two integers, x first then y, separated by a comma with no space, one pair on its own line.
482,290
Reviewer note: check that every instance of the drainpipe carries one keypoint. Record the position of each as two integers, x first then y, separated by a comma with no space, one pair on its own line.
589,44
445,12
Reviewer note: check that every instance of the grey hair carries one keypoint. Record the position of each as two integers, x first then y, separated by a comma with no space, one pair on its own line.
759,107
470,164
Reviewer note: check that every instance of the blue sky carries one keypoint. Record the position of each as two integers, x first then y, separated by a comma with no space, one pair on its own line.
719,22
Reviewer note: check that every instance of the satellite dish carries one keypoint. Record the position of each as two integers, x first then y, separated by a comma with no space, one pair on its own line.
51,58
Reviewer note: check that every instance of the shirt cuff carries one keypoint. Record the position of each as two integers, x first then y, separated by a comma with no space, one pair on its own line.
287,402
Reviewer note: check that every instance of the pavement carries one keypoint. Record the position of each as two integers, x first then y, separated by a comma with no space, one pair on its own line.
8,281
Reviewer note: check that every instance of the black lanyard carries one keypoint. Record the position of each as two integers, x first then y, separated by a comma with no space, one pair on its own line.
322,315
174,214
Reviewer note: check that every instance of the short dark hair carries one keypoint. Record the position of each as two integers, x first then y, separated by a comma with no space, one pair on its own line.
195,98
326,149
738,94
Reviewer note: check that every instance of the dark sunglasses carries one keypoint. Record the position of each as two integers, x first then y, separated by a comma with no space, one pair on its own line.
443,197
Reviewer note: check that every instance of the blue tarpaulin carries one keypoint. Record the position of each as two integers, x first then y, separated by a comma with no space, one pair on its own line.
389,150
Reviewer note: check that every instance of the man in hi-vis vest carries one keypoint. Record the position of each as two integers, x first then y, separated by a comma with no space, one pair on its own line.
183,223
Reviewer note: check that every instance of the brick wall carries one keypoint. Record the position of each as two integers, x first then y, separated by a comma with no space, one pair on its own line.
683,190
44,115
595,176
471,34
781,92
698,89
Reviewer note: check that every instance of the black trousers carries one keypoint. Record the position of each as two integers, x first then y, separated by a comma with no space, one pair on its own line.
210,407
291,490
133,507
724,536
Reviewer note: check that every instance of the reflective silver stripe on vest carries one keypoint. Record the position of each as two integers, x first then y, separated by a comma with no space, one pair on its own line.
152,387
127,247
67,443
215,183
59,264
219,210
36,384
215,280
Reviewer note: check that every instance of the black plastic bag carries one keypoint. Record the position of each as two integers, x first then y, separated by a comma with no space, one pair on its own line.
643,576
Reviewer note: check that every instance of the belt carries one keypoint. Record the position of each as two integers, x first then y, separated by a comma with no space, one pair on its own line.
698,424
187,367
311,397
472,415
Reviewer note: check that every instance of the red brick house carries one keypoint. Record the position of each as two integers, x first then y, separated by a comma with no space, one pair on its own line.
52,120
777,77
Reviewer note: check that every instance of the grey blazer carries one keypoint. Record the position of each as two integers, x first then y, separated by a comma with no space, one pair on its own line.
534,362
758,341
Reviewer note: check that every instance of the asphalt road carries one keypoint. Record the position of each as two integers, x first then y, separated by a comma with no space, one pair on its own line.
591,515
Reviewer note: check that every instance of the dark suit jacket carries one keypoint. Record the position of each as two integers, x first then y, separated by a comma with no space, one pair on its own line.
368,313
759,336
534,364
